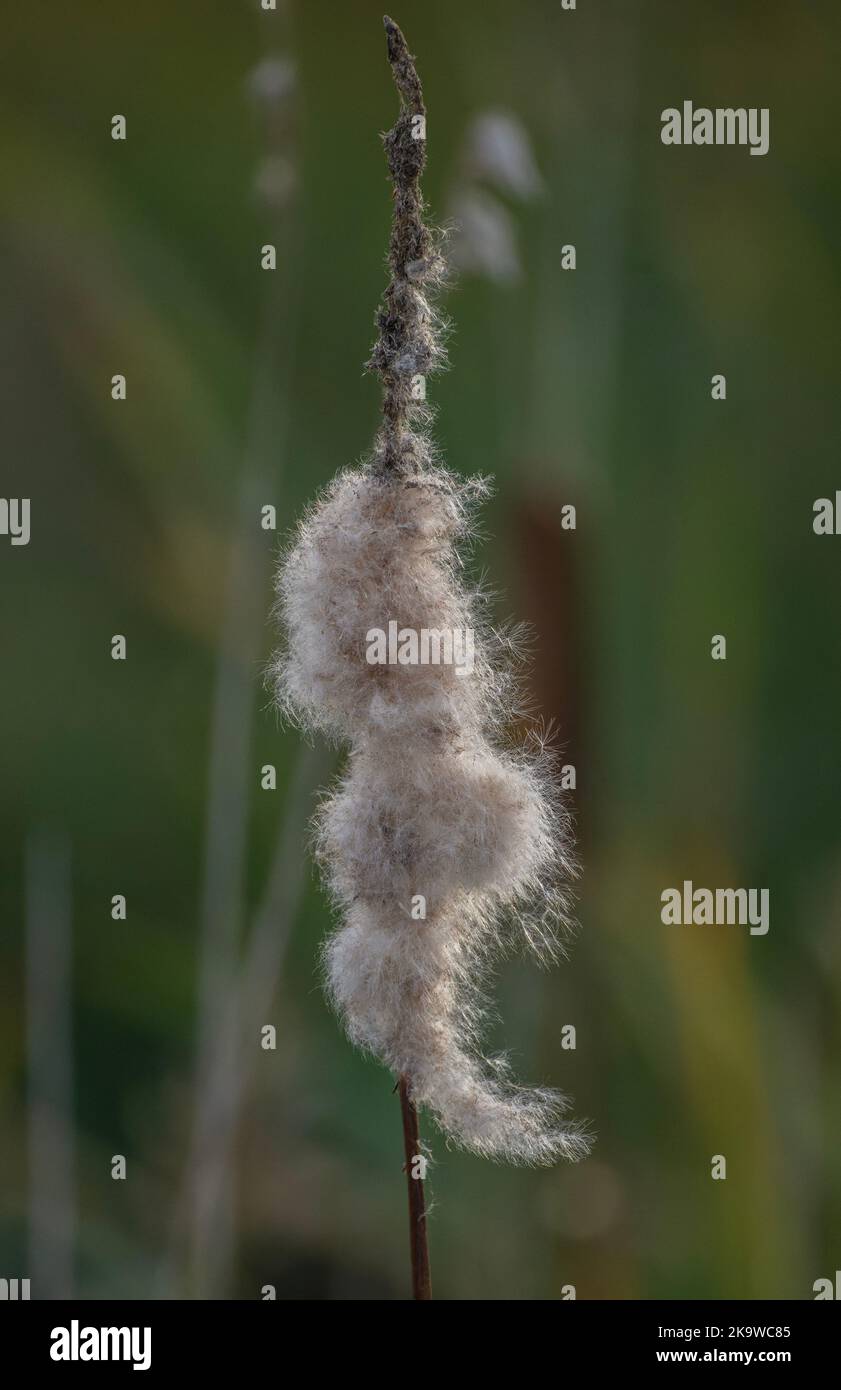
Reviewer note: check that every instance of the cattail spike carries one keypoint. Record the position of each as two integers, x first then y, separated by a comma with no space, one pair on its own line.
439,841
403,66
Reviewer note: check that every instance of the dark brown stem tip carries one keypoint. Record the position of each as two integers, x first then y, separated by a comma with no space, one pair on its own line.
402,65
394,36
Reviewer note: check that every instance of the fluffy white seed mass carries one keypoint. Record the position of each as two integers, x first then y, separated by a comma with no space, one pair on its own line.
431,808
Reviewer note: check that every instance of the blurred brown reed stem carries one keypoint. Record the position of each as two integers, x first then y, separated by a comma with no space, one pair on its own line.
231,776
248,1001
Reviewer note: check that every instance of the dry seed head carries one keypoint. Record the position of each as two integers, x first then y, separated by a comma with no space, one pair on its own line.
432,807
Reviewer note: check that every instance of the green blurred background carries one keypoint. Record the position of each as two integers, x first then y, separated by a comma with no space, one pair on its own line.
248,1167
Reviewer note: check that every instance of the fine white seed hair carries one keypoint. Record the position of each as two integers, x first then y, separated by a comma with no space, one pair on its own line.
432,804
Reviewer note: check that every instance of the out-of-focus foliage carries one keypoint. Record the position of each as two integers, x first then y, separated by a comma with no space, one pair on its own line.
592,387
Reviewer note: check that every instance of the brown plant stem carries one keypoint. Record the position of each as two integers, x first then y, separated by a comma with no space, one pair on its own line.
418,1244
406,350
